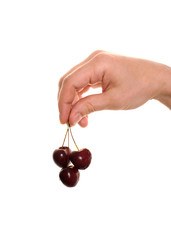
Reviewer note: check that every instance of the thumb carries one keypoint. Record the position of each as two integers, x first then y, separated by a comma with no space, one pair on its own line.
87,105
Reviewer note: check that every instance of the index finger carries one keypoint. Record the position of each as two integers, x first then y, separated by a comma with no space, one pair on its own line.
77,66
75,82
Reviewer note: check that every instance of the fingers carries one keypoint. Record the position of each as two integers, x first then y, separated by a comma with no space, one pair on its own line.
86,106
83,122
89,73
84,90
77,66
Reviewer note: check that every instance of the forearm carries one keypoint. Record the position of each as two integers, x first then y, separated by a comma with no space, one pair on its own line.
165,92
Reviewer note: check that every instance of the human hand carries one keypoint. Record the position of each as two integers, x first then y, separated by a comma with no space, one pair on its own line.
126,83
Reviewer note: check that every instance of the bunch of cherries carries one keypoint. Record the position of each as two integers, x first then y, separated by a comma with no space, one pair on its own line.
71,161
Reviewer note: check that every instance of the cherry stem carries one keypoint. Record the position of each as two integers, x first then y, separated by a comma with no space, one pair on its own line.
68,136
67,132
73,138
68,124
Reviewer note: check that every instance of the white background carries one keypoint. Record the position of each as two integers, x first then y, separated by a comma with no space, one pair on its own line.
126,192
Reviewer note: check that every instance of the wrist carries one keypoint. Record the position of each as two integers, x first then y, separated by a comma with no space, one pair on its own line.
164,93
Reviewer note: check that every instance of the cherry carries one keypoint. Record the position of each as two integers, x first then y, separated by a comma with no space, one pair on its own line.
81,159
61,157
69,176
66,148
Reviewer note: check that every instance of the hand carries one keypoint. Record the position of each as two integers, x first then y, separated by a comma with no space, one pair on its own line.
126,83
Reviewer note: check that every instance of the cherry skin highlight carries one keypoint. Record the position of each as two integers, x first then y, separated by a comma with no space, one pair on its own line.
61,157
81,159
69,176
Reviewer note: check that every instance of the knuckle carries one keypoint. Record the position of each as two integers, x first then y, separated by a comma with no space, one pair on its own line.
101,57
60,82
96,52
66,80
89,107
63,80
84,108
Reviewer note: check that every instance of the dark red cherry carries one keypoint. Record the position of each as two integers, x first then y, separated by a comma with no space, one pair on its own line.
61,157
69,176
66,148
81,159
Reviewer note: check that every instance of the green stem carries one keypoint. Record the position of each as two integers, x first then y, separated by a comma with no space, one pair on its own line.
68,124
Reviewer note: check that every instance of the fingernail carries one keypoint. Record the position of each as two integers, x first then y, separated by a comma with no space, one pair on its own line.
77,117
60,119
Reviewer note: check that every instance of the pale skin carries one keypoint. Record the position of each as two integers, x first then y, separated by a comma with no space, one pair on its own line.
126,83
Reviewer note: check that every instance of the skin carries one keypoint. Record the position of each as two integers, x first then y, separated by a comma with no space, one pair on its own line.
126,83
